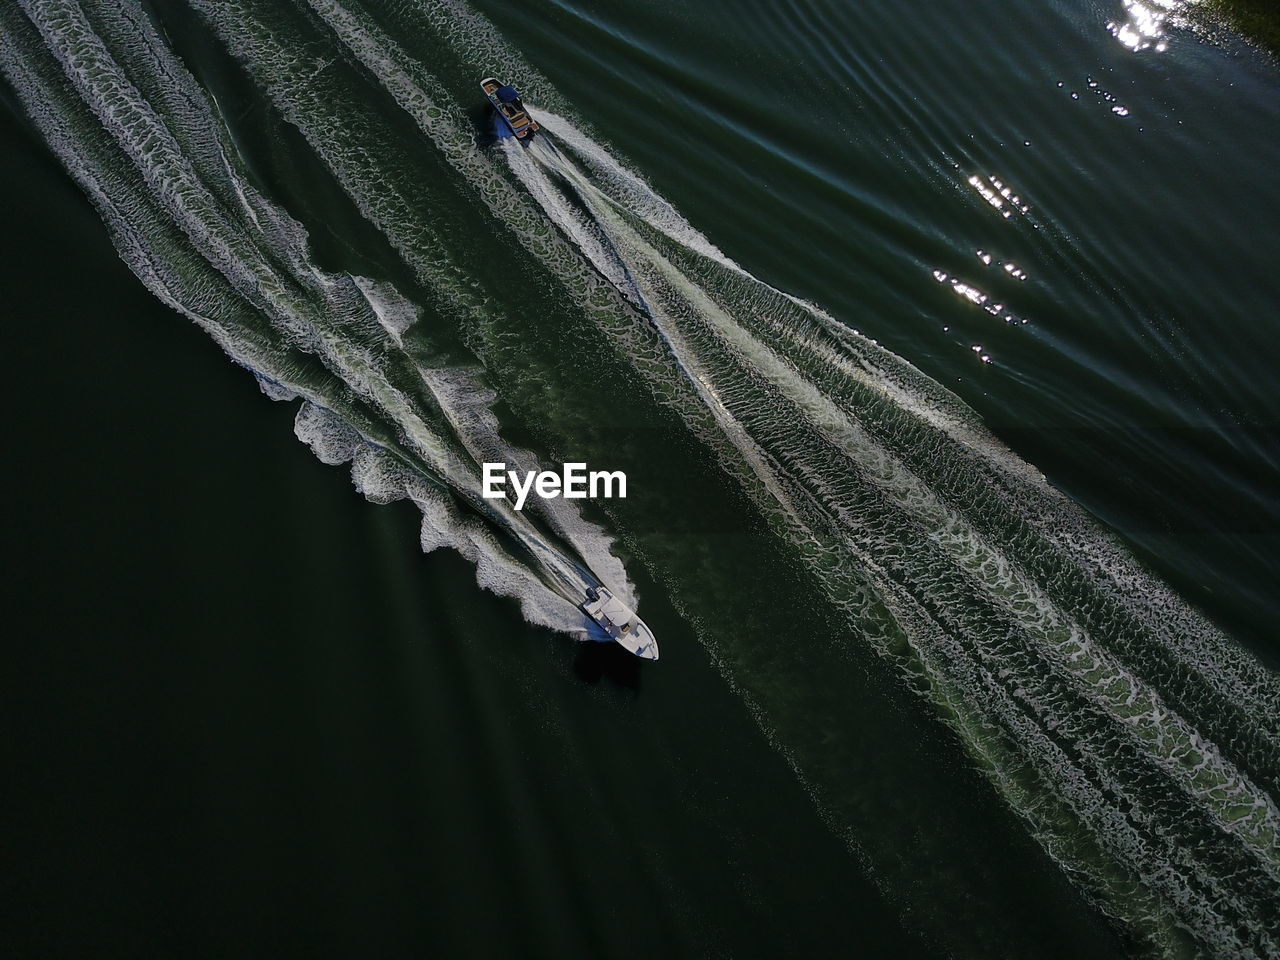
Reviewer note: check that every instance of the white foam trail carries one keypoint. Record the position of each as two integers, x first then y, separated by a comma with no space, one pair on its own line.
263,255
416,89
467,403
424,98
871,365
383,479
620,206
395,313
1111,568
1230,671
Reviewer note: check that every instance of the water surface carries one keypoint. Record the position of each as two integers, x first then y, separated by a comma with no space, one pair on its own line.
936,349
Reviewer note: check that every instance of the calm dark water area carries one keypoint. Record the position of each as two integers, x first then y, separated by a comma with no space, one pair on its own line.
938,344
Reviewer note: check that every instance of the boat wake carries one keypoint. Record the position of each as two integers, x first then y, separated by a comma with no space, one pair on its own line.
148,147
1060,661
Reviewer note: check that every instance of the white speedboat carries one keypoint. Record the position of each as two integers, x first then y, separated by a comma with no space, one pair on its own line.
620,622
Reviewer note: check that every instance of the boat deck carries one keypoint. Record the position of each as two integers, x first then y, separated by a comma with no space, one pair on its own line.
515,115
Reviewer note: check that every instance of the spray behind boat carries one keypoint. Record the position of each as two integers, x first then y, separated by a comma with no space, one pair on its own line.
618,621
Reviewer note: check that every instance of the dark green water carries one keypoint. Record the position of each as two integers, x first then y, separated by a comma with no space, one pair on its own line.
911,702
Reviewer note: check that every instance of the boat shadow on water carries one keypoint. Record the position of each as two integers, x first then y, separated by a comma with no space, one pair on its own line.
484,123
607,661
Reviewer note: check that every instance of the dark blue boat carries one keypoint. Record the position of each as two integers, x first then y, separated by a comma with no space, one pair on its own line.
513,119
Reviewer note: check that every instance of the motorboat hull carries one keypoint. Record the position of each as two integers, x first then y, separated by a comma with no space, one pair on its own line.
620,623
512,118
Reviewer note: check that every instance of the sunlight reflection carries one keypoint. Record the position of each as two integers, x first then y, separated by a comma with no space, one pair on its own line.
976,295
996,193
1119,109
1143,28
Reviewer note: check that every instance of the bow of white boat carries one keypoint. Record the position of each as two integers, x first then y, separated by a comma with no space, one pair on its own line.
621,623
